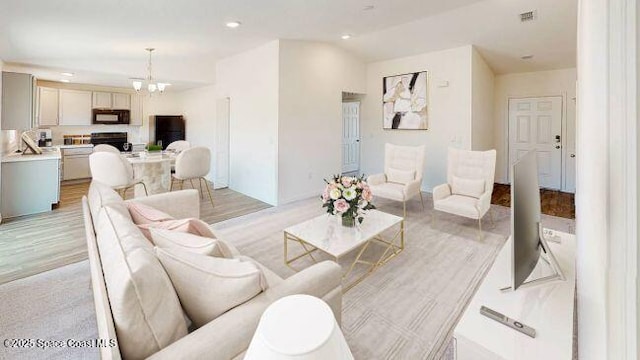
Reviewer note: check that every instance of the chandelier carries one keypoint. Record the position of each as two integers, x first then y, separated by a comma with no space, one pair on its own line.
150,83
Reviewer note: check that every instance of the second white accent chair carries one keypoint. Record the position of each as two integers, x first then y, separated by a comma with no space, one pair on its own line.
402,177
193,163
110,169
179,146
467,193
106,148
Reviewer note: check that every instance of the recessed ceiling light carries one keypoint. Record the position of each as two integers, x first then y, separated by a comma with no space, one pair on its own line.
368,8
346,37
233,24
64,80
66,74
526,57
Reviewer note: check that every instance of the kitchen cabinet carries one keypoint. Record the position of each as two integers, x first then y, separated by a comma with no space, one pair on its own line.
101,100
47,106
30,185
75,163
75,107
135,116
17,101
120,101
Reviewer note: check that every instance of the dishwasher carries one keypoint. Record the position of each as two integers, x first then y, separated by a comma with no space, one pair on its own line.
75,163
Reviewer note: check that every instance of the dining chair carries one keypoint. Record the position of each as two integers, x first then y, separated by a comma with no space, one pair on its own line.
110,169
106,148
179,146
193,163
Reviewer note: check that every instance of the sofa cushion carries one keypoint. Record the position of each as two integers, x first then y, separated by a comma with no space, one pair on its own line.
467,187
209,286
99,195
189,242
400,176
191,226
145,214
146,310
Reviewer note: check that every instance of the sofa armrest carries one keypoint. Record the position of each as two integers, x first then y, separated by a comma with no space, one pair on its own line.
412,188
179,204
230,334
441,191
377,179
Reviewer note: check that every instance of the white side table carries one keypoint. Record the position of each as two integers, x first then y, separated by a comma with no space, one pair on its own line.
300,327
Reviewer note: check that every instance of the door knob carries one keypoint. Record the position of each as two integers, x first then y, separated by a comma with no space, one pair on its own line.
573,155
557,146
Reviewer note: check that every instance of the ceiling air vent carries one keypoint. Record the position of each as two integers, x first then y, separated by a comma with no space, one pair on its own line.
527,16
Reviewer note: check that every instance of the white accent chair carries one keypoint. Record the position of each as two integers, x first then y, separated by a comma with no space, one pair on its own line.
110,169
402,177
467,193
193,163
106,148
179,146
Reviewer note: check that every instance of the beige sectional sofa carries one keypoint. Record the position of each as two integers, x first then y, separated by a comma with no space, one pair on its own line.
137,305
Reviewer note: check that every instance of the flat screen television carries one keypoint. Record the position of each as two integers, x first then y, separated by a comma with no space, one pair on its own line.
526,230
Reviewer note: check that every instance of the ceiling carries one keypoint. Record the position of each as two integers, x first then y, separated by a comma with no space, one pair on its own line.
103,41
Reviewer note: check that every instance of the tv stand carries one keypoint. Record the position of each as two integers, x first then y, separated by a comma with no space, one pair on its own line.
548,308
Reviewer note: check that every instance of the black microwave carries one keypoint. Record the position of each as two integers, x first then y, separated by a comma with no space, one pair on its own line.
110,117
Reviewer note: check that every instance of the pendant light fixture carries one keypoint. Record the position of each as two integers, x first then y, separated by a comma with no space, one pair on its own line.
149,82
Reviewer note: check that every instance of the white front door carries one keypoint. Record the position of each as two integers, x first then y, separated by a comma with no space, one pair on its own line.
536,124
350,136
222,143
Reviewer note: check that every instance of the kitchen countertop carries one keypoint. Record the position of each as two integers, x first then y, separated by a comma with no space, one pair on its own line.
73,146
53,154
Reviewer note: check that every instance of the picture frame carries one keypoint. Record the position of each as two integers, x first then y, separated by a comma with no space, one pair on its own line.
404,101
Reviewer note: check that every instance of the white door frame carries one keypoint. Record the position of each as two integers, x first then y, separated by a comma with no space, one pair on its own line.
563,134
220,183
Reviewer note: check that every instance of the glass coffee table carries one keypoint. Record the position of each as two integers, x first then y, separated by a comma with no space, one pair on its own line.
326,233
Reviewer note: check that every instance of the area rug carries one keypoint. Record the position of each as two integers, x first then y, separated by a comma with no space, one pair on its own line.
405,310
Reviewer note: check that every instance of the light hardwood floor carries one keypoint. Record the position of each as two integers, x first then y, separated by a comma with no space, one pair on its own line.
32,244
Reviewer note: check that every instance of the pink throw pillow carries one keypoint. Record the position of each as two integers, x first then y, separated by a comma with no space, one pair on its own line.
192,226
145,214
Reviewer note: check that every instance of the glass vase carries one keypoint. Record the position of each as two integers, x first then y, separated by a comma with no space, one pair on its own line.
348,220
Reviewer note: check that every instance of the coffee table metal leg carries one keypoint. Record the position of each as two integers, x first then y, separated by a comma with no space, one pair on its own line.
308,251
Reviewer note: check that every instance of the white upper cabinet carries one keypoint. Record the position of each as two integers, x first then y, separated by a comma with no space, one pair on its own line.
75,107
135,117
101,100
47,106
120,101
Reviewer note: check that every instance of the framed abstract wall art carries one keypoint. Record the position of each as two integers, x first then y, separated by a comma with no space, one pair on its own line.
404,101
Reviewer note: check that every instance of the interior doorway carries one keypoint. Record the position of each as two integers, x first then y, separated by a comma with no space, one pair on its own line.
350,136
535,123
223,106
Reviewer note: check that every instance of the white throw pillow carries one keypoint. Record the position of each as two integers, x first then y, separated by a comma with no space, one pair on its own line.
209,286
400,176
146,310
467,187
189,242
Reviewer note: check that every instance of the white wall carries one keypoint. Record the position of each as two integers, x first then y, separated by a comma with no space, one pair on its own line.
199,110
592,211
449,111
313,76
250,80
482,94
534,84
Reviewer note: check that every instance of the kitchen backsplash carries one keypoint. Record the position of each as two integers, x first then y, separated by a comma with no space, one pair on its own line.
57,132
9,141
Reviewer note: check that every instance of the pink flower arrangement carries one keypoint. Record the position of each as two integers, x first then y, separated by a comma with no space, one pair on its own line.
348,197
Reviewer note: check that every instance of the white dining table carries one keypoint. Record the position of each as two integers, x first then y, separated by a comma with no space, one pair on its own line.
153,170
